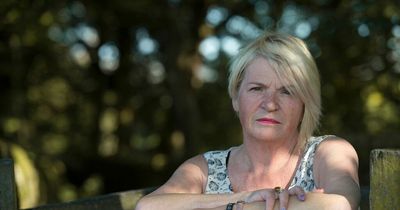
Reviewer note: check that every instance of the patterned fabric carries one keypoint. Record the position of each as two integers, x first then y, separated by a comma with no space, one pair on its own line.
218,180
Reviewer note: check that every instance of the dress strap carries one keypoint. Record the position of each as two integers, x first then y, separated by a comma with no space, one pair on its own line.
217,179
304,176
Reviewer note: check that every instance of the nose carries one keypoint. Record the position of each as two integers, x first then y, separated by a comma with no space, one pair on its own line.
270,102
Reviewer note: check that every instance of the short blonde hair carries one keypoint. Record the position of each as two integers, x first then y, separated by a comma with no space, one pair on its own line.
292,62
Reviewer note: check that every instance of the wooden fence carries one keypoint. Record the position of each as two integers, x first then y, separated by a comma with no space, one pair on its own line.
384,190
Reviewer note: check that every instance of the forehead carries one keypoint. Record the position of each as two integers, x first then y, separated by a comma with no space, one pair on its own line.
261,71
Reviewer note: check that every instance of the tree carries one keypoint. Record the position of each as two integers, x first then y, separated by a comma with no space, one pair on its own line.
99,91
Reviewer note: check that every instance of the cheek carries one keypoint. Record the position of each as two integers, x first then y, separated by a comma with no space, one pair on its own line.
246,106
247,103
298,111
295,109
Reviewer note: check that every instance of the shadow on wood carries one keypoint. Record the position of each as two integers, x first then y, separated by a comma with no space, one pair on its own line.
8,194
118,201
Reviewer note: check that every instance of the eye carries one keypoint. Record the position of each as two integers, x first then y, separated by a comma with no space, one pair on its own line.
255,88
285,91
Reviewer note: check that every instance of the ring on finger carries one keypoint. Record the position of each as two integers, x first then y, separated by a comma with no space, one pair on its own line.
278,190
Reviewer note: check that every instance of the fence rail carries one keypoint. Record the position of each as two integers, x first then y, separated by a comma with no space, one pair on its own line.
384,190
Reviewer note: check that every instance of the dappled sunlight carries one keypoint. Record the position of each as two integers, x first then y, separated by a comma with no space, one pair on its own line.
394,44
88,34
363,30
396,31
303,29
215,15
108,121
127,116
230,45
108,145
374,101
67,192
206,74
54,92
145,44
141,142
109,142
210,47
262,7
46,19
242,26
57,92
93,185
26,177
54,144
156,73
11,125
53,169
98,94
380,112
159,161
177,141
108,57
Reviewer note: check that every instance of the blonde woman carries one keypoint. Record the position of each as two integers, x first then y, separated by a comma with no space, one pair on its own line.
275,90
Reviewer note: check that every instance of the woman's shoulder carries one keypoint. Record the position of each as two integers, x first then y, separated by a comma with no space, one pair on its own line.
318,141
327,145
332,141
202,160
335,147
321,138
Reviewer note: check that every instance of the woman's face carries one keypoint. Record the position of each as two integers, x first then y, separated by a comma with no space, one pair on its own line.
267,110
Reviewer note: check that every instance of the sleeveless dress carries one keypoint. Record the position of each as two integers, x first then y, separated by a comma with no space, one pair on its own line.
218,180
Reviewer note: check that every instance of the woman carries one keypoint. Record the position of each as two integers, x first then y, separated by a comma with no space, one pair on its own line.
275,90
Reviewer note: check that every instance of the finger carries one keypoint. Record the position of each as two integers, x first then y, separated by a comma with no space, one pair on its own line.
283,200
319,190
298,192
270,200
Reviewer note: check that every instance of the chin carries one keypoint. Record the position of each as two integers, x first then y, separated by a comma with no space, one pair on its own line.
267,137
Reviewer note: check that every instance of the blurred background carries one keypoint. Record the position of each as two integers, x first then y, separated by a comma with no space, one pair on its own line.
105,96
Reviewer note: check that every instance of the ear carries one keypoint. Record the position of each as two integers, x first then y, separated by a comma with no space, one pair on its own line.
235,104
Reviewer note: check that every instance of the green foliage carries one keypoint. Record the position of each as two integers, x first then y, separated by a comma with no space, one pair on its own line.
105,93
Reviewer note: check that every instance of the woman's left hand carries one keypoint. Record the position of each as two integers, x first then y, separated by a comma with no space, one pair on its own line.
270,196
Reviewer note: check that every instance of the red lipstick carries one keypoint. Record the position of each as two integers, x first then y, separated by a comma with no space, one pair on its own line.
268,121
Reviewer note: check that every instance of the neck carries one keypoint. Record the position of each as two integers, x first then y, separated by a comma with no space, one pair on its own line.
263,156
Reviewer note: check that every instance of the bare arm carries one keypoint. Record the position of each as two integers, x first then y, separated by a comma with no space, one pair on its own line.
336,171
318,201
184,190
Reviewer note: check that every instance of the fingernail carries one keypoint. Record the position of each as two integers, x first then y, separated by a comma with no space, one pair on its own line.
301,197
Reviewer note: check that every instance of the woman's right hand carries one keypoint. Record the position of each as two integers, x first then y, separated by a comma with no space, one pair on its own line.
270,196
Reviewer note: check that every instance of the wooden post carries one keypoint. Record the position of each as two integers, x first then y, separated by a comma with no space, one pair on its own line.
8,195
384,179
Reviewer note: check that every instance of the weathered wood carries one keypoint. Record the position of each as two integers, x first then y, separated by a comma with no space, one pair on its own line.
115,201
8,195
385,179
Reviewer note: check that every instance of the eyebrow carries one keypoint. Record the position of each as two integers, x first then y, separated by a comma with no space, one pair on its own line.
289,87
257,83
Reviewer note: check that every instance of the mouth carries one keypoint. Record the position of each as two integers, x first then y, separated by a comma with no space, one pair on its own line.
268,121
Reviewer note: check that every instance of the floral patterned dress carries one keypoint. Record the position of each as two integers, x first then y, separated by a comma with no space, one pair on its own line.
218,180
